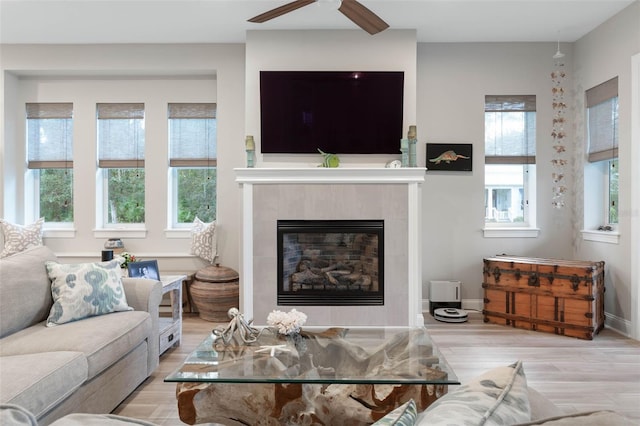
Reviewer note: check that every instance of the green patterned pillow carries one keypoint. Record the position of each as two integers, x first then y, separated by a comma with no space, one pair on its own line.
403,415
84,290
498,397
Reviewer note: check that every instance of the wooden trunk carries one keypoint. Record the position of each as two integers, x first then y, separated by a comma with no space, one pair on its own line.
551,295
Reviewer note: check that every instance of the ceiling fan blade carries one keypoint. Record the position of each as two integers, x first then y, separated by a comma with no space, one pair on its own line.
278,11
362,17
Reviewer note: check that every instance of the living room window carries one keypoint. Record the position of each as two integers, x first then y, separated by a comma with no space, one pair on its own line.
601,170
192,162
121,143
510,157
50,161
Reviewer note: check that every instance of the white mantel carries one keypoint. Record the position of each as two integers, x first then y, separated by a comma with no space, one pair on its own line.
345,178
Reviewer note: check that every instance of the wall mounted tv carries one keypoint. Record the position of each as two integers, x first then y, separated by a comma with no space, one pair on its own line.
342,112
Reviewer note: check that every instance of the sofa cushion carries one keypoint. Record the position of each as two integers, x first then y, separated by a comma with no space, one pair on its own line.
592,418
403,415
83,290
25,289
18,238
14,415
102,339
39,382
497,397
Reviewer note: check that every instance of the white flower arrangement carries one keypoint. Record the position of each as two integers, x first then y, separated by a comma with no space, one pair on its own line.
287,322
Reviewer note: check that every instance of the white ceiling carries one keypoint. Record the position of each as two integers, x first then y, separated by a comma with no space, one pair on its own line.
225,21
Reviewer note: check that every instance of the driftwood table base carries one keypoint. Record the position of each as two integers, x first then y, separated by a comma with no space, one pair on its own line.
315,378
297,403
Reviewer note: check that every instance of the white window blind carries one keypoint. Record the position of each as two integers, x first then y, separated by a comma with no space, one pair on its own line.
49,135
510,129
192,134
602,118
120,135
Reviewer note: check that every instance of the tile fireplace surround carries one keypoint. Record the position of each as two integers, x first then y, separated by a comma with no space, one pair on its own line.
393,195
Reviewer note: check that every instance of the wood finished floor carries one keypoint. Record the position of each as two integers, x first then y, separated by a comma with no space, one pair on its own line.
577,375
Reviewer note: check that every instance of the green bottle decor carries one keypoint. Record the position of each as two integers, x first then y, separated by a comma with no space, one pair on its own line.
329,160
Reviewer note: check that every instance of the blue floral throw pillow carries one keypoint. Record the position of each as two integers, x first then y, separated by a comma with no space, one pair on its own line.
84,290
403,415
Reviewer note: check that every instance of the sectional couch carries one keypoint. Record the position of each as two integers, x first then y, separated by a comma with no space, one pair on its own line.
88,365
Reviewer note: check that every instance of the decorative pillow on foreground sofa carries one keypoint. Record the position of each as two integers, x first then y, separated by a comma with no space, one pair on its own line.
498,397
83,290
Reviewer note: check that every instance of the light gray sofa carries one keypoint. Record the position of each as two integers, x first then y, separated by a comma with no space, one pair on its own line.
86,366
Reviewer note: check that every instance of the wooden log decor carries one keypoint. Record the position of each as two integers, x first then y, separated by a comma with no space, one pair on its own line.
297,403
301,402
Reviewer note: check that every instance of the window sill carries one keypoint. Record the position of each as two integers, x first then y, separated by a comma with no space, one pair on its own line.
610,237
120,232
177,233
511,232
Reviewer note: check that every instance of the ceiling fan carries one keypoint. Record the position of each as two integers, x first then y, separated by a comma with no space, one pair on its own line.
352,9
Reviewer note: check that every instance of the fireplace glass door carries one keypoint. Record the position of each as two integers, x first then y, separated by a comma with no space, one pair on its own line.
330,262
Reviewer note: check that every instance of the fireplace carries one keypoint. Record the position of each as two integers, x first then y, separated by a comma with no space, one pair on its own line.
330,262
341,193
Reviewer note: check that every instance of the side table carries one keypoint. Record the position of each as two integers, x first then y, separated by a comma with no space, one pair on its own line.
171,327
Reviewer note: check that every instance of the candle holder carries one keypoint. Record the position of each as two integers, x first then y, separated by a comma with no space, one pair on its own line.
250,147
412,135
404,149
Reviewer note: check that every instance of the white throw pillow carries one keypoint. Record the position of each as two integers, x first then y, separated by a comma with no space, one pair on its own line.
497,397
203,240
18,238
84,290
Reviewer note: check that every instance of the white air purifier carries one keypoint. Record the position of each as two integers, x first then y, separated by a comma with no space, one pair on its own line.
444,294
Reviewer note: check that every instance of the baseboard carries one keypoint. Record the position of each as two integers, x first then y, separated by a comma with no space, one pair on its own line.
617,324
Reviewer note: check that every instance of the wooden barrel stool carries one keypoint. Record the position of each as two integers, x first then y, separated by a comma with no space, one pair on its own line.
214,291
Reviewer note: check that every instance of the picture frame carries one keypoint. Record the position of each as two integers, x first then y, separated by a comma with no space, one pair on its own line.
450,157
144,269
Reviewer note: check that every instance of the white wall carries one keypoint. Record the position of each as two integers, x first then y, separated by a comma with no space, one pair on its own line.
453,80
348,50
40,73
601,55
446,84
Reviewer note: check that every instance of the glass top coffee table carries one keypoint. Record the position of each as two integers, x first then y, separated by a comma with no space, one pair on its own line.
341,375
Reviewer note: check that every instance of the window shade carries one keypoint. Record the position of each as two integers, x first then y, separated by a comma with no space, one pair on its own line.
192,110
510,129
192,134
121,136
502,103
49,135
120,111
602,121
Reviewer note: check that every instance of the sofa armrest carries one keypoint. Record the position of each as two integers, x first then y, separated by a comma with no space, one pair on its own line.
145,295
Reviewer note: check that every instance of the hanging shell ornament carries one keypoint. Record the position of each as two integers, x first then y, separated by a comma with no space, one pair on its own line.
557,132
329,160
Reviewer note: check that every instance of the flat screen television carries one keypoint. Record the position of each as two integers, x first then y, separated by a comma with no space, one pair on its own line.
340,112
